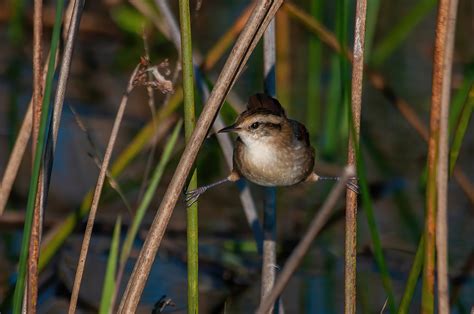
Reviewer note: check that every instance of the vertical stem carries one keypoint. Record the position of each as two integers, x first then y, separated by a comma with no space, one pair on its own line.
443,162
351,198
37,80
189,123
427,297
269,211
32,290
412,278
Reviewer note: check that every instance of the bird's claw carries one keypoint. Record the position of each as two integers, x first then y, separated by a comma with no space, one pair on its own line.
193,195
352,185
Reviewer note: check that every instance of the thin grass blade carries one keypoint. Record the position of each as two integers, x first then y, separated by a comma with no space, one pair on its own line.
109,280
461,129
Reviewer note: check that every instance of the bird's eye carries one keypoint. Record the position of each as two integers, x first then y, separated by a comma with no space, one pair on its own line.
255,125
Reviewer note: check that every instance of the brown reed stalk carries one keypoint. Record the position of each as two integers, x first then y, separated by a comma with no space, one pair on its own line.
320,219
438,165
97,193
443,164
37,100
262,13
37,81
351,196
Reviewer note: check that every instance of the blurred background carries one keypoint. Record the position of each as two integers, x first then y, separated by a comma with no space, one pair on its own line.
313,84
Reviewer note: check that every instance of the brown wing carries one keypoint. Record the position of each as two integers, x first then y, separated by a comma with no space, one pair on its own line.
300,132
263,102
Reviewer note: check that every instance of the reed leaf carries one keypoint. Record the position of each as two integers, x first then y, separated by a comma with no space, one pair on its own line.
149,193
461,129
109,279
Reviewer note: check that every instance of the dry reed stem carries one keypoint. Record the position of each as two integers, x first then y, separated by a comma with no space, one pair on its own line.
351,198
37,100
97,194
234,64
378,82
16,156
427,305
318,222
19,148
73,27
443,160
37,81
45,172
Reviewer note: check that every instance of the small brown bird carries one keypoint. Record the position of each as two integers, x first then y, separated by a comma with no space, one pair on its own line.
271,149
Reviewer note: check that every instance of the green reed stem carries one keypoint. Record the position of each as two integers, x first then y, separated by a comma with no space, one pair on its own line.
34,181
109,280
459,98
149,193
461,129
374,233
189,123
413,278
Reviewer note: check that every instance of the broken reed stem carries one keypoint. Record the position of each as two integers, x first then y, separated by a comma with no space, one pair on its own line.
269,261
241,52
378,82
320,219
189,123
97,194
351,196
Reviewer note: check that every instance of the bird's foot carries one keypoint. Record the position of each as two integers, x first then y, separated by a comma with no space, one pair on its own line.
192,196
352,185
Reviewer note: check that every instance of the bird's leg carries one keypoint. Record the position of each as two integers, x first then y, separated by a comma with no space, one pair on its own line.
351,183
193,195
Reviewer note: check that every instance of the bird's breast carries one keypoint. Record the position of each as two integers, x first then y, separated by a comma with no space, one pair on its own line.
268,164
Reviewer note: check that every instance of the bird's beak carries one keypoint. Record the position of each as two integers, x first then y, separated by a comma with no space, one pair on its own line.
230,128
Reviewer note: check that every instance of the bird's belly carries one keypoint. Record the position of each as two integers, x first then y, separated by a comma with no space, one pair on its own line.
269,166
